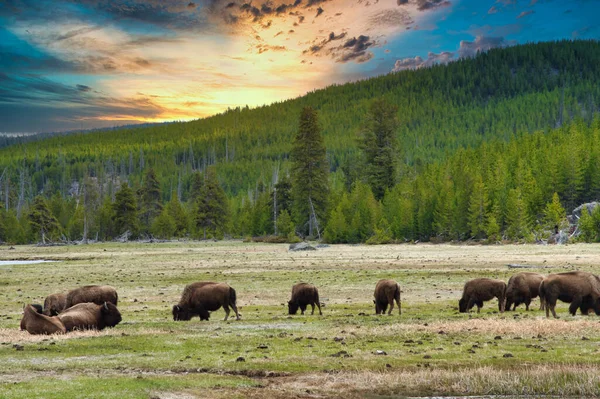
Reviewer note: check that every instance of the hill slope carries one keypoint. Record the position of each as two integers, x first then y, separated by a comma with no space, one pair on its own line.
500,94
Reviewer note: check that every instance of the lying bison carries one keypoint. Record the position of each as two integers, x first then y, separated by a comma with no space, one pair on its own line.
90,316
198,299
304,294
54,304
36,323
386,292
581,289
476,291
97,294
522,288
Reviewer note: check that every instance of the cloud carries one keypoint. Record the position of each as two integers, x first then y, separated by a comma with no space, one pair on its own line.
525,13
83,88
391,18
423,5
418,62
355,49
466,49
481,44
493,10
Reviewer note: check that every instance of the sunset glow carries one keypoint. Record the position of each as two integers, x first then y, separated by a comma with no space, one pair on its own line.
97,63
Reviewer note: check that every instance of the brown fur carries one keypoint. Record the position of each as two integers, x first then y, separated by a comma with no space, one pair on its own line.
97,294
476,291
54,304
581,289
522,288
37,323
198,299
386,292
304,294
90,316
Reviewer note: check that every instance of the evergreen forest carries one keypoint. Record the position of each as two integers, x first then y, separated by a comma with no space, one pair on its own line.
499,147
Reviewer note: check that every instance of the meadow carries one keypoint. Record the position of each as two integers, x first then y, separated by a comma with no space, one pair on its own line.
349,352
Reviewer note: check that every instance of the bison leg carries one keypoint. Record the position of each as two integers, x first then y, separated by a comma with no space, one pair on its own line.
542,304
312,305
575,304
527,303
319,306
470,304
226,309
391,302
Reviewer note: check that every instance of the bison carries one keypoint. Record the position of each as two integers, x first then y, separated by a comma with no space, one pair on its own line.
37,323
522,288
581,289
97,294
386,291
90,316
304,294
476,291
54,304
198,299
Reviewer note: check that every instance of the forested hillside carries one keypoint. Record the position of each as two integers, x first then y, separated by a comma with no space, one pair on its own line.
463,128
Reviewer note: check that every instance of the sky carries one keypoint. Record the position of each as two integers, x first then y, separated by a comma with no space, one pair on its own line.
82,64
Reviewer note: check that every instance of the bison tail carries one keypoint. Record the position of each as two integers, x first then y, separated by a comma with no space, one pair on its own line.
542,292
232,297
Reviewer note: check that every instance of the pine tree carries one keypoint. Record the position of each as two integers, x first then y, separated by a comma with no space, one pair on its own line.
517,219
212,210
554,213
285,226
179,216
150,199
310,186
106,220
41,219
163,226
125,212
478,209
337,227
586,226
377,140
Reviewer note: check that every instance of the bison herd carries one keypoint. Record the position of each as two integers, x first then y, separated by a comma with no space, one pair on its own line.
580,289
95,307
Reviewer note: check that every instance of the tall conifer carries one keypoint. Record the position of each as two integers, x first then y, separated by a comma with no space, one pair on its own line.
310,186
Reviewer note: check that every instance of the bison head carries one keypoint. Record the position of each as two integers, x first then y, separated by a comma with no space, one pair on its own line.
181,314
38,308
590,303
110,314
462,305
292,307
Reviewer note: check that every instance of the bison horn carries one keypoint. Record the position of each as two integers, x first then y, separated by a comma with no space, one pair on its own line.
105,306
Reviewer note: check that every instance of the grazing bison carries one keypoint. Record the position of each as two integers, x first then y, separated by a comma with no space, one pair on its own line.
204,297
54,304
97,294
522,288
36,323
386,291
476,291
581,289
304,294
90,316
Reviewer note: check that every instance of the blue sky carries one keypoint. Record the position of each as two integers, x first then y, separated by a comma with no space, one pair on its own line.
98,63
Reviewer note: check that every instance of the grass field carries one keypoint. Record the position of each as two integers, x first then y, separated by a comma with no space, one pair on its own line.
348,352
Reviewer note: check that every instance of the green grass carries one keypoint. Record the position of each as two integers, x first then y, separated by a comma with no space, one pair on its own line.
337,354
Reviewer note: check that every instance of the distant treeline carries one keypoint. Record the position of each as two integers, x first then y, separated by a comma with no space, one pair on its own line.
498,126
